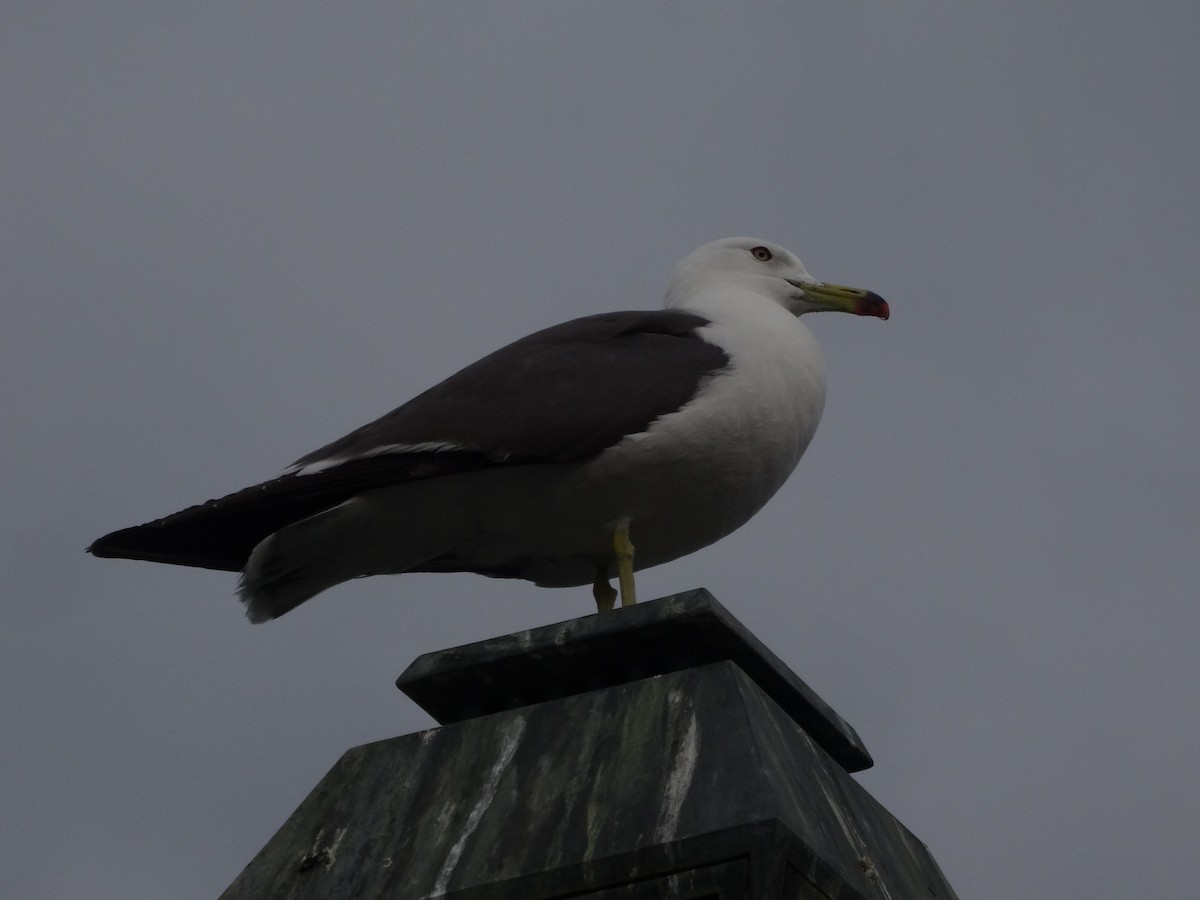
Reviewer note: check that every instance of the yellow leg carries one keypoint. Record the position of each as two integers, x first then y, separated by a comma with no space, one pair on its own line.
604,593
623,550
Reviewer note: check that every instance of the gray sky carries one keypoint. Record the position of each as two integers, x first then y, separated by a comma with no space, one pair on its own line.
232,232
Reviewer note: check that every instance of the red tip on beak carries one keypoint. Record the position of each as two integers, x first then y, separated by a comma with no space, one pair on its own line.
872,305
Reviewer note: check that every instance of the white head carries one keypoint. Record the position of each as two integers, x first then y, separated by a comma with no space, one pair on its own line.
769,270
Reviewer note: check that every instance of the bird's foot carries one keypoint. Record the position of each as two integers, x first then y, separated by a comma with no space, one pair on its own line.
623,550
605,593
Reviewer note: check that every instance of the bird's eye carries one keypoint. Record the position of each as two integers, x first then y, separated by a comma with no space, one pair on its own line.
762,254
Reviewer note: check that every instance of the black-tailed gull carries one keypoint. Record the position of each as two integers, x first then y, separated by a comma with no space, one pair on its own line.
587,450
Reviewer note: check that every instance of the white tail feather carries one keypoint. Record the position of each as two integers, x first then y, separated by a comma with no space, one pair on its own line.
365,535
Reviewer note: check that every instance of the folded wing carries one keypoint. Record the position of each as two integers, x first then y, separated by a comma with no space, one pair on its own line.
563,394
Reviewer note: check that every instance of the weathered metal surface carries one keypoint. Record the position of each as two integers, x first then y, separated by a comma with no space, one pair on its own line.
688,784
665,635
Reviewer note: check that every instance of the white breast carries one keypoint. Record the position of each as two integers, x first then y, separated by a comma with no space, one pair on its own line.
692,477
707,468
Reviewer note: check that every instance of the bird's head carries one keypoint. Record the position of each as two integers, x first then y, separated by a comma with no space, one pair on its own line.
769,270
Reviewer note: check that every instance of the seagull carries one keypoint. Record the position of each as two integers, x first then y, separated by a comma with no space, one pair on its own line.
584,451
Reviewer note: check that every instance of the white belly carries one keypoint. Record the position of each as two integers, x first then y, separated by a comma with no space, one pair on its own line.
693,477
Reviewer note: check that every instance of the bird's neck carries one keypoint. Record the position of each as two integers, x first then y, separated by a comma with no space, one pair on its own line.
728,303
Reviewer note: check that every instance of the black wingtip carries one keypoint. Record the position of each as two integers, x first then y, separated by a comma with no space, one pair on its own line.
116,544
161,542
97,547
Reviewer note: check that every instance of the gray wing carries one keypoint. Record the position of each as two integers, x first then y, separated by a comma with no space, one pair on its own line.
560,395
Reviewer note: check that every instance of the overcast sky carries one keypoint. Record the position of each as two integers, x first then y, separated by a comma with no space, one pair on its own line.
232,232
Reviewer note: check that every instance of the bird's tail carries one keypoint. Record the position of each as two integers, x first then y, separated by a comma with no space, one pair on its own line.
361,536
